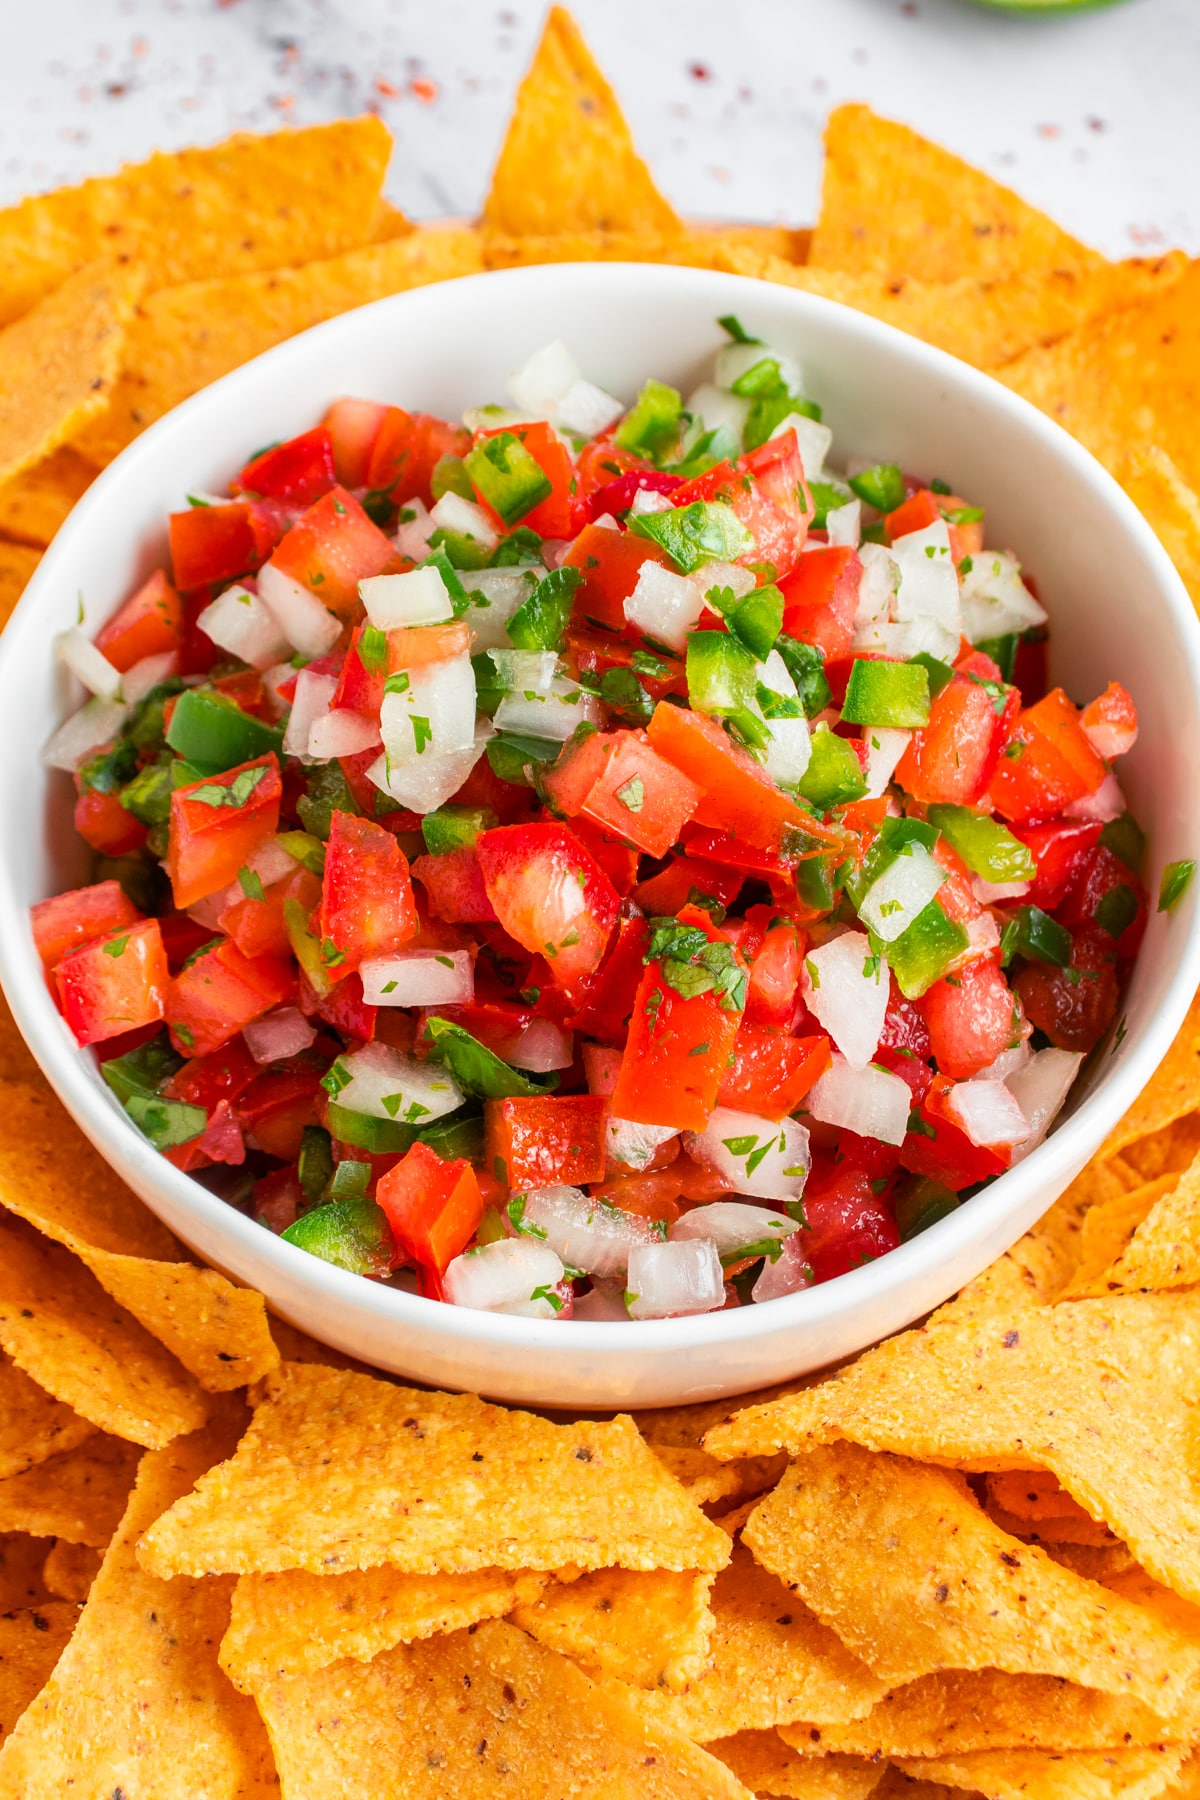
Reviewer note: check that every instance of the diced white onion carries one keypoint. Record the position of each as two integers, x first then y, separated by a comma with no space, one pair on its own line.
871,1102
453,513
542,1306
419,978
272,680
664,605
670,1280
768,1158
495,595
342,732
632,1146
1040,1089
716,406
905,888
433,715
313,696
494,1277
649,500
988,1112
553,715
603,1304
740,580
995,601
412,536
732,1226
238,621
813,440
885,744
416,598
306,625
773,673
928,578
94,724
786,1275
1007,1063
586,409
76,651
137,682
983,935
541,1046
279,1034
387,1084
843,524
542,380
990,893
587,1234
525,671
846,989
786,756
425,785
878,586
1108,802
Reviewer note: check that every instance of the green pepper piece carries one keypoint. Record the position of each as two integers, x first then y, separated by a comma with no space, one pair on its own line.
1126,839
834,775
705,531
461,550
455,827
539,622
109,769
702,450
519,547
515,759
757,619
453,1138
148,795
1034,934
1002,650
209,730
314,1169
887,694
327,792
305,849
507,475
881,487
381,1137
459,598
142,1071
166,1122
722,674
922,954
815,881
144,725
920,1202
349,1180
450,477
986,846
306,948
651,426
828,495
475,1067
805,663
350,1234
940,674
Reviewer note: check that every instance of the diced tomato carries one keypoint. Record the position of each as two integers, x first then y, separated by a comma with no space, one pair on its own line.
846,1224
276,1107
433,1207
551,517
498,1024
149,624
711,845
298,471
418,646
454,883
103,823
739,797
65,921
182,935
367,906
1110,723
904,1046
223,1075
925,508
407,448
610,562
257,927
953,758
821,598
211,838
115,983
360,686
597,466
772,1072
619,495
1073,1006
483,787
1097,874
537,1142
972,1016
939,1147
197,652
595,653
346,1009
683,879
774,949
331,548
353,426
655,1194
767,491
209,1002
278,1200
370,800
1058,851
617,779
549,895
1047,762
609,995
215,543
619,861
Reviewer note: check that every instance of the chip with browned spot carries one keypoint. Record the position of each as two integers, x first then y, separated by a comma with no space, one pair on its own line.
79,1495
765,1763
70,1570
648,1627
22,1570
31,1641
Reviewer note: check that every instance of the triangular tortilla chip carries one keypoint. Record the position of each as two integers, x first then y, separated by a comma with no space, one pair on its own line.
16,1058
1077,1775
765,1763
31,1642
893,203
17,563
79,1495
1107,1231
22,1571
900,1560
247,203
35,504
137,1703
568,163
185,337
33,1426
1171,1092
647,1627
1164,1251
474,1715
426,1482
1161,494
70,1570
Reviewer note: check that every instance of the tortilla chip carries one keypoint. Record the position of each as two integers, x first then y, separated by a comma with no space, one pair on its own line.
1094,1565
650,1629
1033,1495
79,1495
33,1426
31,1642
771,1661
471,1715
1077,1775
568,163
51,1177
1164,1250
137,1701
58,1324
247,203
185,337
705,1480
71,1569
900,1561
1045,1532
16,1058
294,1623
34,505
781,241
390,223
892,203
1107,1229
1166,1152
17,563
1170,506
981,322
431,1483
765,1763
952,1712
22,1571
296,1346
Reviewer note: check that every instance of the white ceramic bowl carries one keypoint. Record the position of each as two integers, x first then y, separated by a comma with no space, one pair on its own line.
1117,610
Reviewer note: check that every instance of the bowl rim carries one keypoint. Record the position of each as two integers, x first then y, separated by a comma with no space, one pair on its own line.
1055,1159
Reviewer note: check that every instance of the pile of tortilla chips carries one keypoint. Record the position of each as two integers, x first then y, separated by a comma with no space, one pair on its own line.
235,1565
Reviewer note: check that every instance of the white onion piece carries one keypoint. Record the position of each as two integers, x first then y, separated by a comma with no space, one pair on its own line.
871,1102
733,1226
983,935
649,500
666,1281
878,586
94,724
495,1277
988,893
419,597
540,1047
587,1234
419,978
1108,802
773,673
632,1146
494,596
664,605
76,651
789,1273
885,744
387,1084
1006,1064
988,1112
313,696
995,601
768,1158
542,380
557,1302
306,625
604,1304
813,440
741,581
846,989
342,732
732,361
928,578
524,671
553,715
412,536
843,524
238,621
904,889
453,513
424,786
272,680
716,406
787,754
586,410
1040,1089
434,714
137,682
1107,738
279,1034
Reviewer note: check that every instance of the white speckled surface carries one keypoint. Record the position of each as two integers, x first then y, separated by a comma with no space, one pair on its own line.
1092,117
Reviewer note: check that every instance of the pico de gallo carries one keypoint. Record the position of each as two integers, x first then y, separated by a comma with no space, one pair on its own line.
587,860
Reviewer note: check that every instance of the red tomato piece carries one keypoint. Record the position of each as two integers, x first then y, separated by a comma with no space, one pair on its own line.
925,508
1098,874
549,895
551,517
367,906
406,451
774,949
1058,851
683,880
820,599
102,822
941,1149
972,1016
433,1207
223,1075
1110,723
298,471
610,562
772,1072
65,921
620,782
331,548
215,543
1047,762
767,491
847,1224
609,994
904,1046
257,926
534,1142
739,797
454,883
594,653
619,861
353,426
211,838
1073,1006
360,684
149,624
953,758
115,983
597,466
277,1106
209,1002
346,1009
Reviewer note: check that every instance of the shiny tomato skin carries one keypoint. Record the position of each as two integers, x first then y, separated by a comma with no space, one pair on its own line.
210,1001
333,546
433,1207
105,826
1058,851
1097,874
550,895
407,449
821,597
846,1224
1073,1006
540,1142
367,907
971,1016
208,844
296,472
739,797
607,997
774,948
1046,764
114,984
610,562
149,624
938,1147
925,508
772,1071
353,426
953,758
454,883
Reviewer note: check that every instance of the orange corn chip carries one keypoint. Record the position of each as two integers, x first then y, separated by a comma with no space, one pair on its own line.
649,1628
1075,1775
429,1483
1106,1230
137,1702
390,223
71,1569
79,1495
568,163
295,1345
1080,1530
248,203
765,1763
473,1715
899,1559
22,1570
34,504
185,337
33,1426
1093,1564
1172,1092
1160,492
1164,1250
1031,1494
892,203
31,1642
1165,1152
17,563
